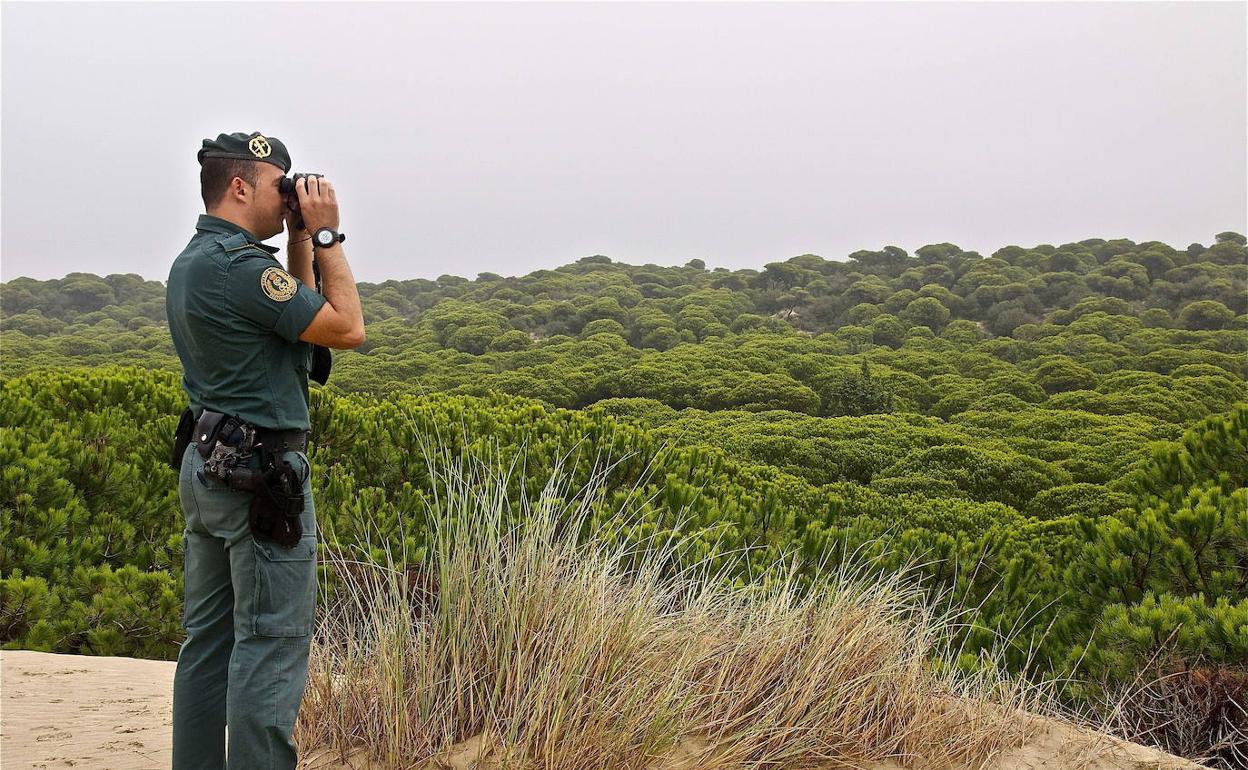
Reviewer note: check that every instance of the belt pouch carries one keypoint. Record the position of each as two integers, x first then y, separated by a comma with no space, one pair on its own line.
206,431
182,437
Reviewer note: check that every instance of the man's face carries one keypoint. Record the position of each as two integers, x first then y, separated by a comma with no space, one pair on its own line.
270,205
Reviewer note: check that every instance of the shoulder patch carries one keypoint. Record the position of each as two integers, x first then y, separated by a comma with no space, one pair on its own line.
278,285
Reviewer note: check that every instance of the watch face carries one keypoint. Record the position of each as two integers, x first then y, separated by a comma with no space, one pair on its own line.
324,237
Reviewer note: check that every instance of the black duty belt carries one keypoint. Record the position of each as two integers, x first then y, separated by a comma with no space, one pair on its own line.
273,440
282,440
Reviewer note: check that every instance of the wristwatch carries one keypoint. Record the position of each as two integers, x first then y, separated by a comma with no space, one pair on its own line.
326,237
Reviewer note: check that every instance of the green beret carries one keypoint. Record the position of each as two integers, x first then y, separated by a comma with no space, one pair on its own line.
253,146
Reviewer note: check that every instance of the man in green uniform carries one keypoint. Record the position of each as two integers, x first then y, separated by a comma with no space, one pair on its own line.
244,326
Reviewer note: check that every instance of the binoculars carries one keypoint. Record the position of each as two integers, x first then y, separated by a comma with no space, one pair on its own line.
287,188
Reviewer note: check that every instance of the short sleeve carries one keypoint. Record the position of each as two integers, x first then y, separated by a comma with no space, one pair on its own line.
261,292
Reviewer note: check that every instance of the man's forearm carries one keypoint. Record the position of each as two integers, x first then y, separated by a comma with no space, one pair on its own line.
338,284
299,260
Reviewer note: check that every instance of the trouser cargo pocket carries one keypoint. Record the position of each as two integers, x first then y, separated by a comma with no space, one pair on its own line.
285,595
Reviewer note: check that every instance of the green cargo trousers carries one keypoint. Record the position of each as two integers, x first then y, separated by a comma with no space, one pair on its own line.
248,617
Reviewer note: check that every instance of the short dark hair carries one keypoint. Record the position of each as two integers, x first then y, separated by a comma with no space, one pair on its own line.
216,174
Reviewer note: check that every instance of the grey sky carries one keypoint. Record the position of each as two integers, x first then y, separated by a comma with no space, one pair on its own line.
511,137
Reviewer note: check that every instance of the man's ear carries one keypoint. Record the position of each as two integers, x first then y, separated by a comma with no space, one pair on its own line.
238,187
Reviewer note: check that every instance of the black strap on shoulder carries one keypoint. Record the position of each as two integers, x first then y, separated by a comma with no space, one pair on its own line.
322,359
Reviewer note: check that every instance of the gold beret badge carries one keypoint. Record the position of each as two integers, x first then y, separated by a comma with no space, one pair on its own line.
260,146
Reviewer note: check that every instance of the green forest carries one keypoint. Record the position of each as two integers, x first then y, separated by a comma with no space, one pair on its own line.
1056,435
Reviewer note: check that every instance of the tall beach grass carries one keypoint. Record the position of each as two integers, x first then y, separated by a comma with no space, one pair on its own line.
529,646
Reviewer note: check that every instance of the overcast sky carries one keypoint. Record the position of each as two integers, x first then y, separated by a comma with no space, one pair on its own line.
511,137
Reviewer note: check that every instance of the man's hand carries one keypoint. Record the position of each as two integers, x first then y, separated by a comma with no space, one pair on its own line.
293,233
318,203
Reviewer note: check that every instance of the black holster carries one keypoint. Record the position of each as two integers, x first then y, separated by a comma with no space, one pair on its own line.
277,508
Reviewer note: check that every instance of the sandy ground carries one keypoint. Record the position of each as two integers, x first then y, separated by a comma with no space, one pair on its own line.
93,713
59,711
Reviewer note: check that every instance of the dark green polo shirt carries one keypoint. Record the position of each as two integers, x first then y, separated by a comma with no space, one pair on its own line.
236,315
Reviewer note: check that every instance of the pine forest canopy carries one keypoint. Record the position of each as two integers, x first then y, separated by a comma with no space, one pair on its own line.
1094,322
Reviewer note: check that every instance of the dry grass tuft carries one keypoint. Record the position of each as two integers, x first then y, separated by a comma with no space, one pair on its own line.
1192,712
546,653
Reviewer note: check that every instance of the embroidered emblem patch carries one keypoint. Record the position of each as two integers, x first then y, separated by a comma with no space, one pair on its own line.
260,147
278,284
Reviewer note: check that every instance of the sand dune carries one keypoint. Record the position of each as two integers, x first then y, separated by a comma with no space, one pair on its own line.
93,713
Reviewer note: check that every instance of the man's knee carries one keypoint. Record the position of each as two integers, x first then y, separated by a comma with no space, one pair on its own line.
267,680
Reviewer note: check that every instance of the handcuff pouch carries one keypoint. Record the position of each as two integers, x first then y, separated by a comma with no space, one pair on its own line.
206,431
